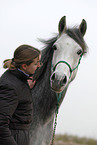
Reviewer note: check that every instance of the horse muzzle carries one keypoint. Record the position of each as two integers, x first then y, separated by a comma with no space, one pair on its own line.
58,82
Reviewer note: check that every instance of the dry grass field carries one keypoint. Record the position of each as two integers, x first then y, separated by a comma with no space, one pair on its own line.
73,140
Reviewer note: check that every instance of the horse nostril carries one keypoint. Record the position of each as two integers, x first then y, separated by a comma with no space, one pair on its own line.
65,80
53,77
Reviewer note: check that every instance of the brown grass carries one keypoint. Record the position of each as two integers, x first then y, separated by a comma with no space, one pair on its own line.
73,140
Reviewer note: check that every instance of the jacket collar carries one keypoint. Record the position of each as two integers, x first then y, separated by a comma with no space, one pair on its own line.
19,74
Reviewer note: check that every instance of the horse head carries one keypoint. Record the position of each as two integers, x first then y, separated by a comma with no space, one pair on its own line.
68,51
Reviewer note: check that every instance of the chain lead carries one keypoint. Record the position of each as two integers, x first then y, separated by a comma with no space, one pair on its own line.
55,122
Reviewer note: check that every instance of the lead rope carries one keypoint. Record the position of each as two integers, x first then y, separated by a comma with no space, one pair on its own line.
59,95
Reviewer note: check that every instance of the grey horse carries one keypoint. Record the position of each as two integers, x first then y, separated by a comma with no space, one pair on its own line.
61,58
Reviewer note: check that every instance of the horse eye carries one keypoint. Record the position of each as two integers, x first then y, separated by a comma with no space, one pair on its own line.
54,47
79,52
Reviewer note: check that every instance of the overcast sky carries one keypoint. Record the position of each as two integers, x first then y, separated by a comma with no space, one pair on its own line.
23,21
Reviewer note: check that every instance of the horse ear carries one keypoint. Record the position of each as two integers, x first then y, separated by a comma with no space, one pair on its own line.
83,27
62,24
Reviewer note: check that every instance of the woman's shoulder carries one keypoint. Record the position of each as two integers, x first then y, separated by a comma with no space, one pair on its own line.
7,77
4,77
8,87
10,80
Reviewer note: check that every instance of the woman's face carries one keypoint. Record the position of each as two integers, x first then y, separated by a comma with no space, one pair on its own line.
30,69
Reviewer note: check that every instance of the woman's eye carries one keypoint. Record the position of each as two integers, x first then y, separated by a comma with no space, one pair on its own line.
79,52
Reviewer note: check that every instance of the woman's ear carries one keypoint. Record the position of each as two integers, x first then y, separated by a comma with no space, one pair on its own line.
23,66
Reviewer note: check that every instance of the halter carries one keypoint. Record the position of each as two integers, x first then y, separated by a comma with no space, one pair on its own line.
59,95
71,70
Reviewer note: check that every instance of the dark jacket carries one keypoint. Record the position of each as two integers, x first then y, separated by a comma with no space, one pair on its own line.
15,105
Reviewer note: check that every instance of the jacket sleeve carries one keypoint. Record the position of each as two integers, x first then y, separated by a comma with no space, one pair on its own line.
8,104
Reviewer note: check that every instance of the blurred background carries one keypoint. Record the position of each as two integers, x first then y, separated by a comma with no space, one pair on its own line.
24,21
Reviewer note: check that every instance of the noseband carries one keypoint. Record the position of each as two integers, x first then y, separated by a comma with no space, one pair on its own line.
71,70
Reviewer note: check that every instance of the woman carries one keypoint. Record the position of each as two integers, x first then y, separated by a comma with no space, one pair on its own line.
16,104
